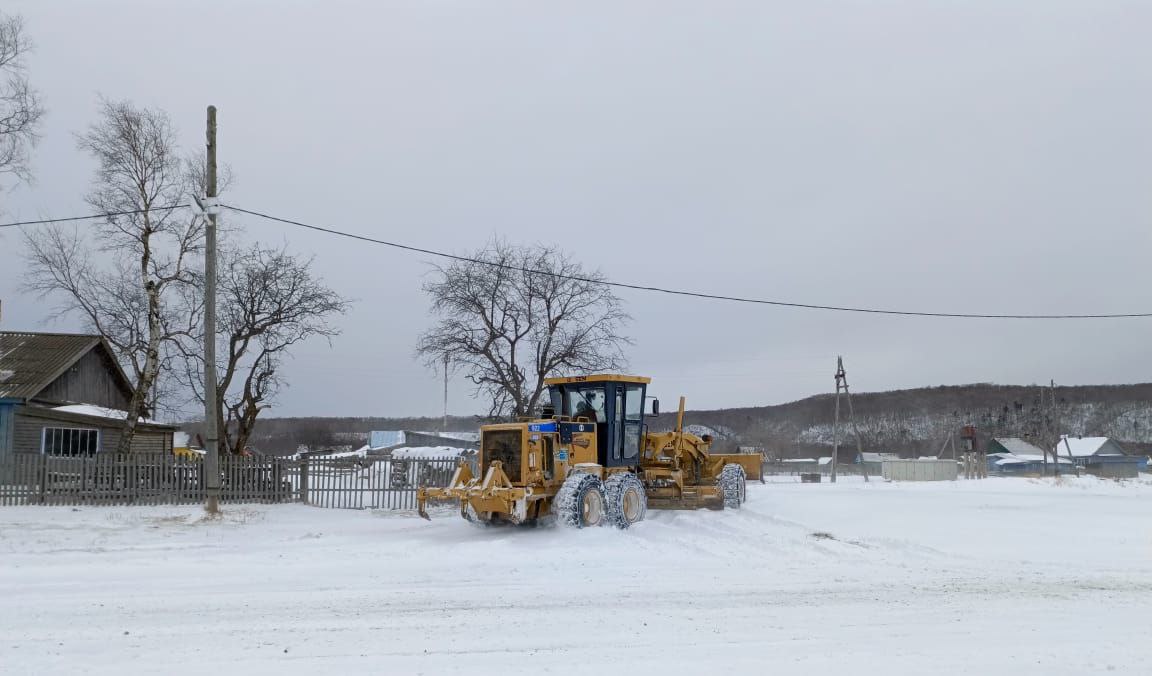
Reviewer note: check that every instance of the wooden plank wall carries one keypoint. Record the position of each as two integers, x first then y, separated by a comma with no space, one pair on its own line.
90,380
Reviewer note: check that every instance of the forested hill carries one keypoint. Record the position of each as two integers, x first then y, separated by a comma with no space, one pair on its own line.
918,421
911,422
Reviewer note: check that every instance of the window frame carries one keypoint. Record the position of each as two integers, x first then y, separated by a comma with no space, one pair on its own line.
79,432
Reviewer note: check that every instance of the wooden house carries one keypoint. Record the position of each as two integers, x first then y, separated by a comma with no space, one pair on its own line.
65,394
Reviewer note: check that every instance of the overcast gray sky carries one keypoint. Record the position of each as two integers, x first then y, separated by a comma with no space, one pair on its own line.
977,156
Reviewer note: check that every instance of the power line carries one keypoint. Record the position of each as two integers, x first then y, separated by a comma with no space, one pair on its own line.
107,214
680,292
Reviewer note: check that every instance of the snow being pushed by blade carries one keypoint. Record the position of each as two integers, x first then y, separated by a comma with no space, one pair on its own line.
1001,576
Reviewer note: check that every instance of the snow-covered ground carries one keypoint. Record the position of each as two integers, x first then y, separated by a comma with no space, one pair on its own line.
1002,576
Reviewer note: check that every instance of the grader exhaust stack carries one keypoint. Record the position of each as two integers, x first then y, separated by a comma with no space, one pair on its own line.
590,460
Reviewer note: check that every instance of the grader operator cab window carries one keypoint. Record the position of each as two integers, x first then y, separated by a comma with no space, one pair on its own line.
587,402
633,420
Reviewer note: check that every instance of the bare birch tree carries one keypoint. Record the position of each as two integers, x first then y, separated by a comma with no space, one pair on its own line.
517,315
269,301
20,108
126,283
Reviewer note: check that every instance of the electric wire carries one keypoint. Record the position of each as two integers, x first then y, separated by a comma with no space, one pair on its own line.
107,214
622,285
681,292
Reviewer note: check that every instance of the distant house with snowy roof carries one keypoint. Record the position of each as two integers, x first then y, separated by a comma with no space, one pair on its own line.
1025,464
385,442
390,439
1012,445
65,394
1098,455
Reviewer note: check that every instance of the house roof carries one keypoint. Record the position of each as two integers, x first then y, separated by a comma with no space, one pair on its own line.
1086,447
1017,446
30,362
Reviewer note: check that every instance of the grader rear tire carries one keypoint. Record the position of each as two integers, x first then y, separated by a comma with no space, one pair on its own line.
627,502
733,483
580,501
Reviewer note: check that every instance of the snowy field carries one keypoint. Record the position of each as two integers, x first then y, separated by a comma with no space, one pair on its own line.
1003,576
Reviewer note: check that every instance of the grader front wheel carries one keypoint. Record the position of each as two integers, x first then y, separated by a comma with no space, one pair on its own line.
627,502
580,501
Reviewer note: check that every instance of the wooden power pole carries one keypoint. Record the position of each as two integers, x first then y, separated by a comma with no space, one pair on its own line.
211,410
842,384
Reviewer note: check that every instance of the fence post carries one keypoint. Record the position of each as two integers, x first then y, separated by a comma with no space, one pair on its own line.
304,479
43,476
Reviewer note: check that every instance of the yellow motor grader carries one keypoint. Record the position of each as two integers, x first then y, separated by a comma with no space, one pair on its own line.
590,460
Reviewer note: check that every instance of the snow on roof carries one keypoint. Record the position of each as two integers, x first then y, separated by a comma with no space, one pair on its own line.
798,460
428,453
878,457
1084,447
825,460
1023,459
1018,446
98,412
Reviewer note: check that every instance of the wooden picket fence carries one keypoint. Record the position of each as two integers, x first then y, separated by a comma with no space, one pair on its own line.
112,479
139,478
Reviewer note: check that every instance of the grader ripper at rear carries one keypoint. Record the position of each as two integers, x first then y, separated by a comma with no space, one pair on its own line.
590,459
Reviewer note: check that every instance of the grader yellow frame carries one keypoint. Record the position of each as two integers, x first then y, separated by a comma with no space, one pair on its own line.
590,459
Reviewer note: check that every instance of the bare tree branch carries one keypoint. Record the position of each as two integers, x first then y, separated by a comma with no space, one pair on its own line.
128,281
268,301
517,317
20,107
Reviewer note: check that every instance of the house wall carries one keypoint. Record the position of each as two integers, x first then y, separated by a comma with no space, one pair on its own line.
6,415
88,381
1129,469
29,423
1110,447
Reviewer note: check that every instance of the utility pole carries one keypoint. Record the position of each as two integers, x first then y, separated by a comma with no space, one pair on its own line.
211,410
852,417
836,421
1054,433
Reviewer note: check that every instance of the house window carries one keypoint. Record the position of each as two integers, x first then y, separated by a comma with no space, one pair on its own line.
70,441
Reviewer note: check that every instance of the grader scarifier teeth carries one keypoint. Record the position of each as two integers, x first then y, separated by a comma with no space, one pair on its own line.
421,501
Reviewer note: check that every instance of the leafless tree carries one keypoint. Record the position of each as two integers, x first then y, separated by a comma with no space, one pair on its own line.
20,109
127,284
516,315
268,301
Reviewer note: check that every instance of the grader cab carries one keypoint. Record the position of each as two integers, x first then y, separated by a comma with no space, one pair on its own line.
591,459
